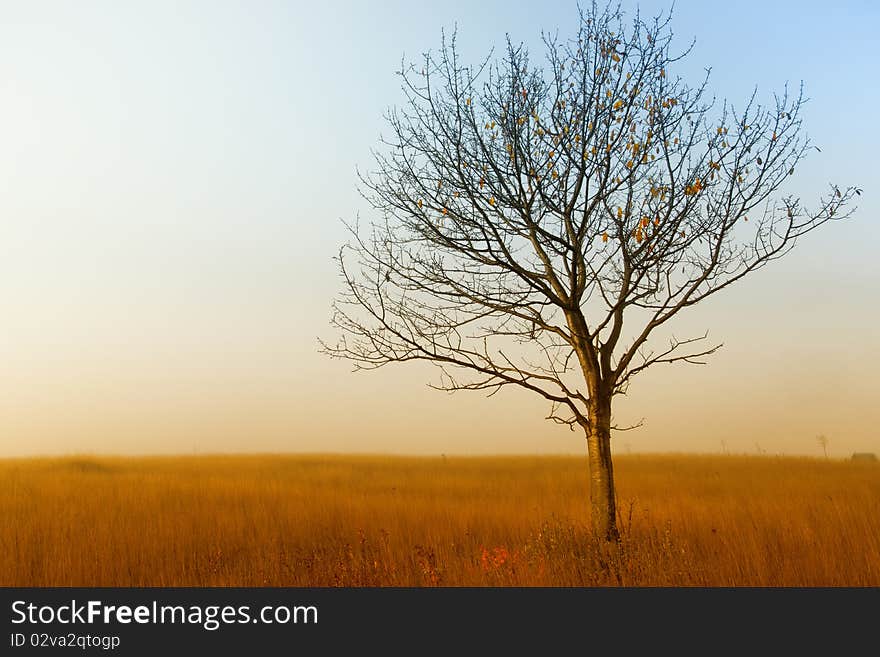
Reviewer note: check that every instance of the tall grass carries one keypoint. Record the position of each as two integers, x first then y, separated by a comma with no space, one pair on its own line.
396,521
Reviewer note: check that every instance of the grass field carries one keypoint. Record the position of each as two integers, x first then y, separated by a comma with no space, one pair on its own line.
400,521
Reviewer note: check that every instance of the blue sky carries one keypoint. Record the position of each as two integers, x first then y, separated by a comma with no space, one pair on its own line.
173,177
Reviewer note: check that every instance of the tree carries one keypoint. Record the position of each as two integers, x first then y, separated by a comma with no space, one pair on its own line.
524,211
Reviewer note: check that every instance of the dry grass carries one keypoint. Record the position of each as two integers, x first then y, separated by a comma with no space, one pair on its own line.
382,521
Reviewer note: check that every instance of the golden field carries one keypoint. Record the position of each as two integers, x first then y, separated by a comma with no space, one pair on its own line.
406,521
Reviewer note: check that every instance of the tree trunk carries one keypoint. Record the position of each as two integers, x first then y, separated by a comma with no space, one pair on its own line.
602,495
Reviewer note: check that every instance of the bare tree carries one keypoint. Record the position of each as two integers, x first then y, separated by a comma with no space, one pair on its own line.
524,210
823,443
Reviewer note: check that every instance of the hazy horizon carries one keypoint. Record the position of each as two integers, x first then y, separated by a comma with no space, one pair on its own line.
174,179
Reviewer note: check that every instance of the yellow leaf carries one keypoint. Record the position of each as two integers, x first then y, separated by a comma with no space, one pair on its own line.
604,237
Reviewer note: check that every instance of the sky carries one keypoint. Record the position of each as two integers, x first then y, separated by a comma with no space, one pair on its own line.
173,181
